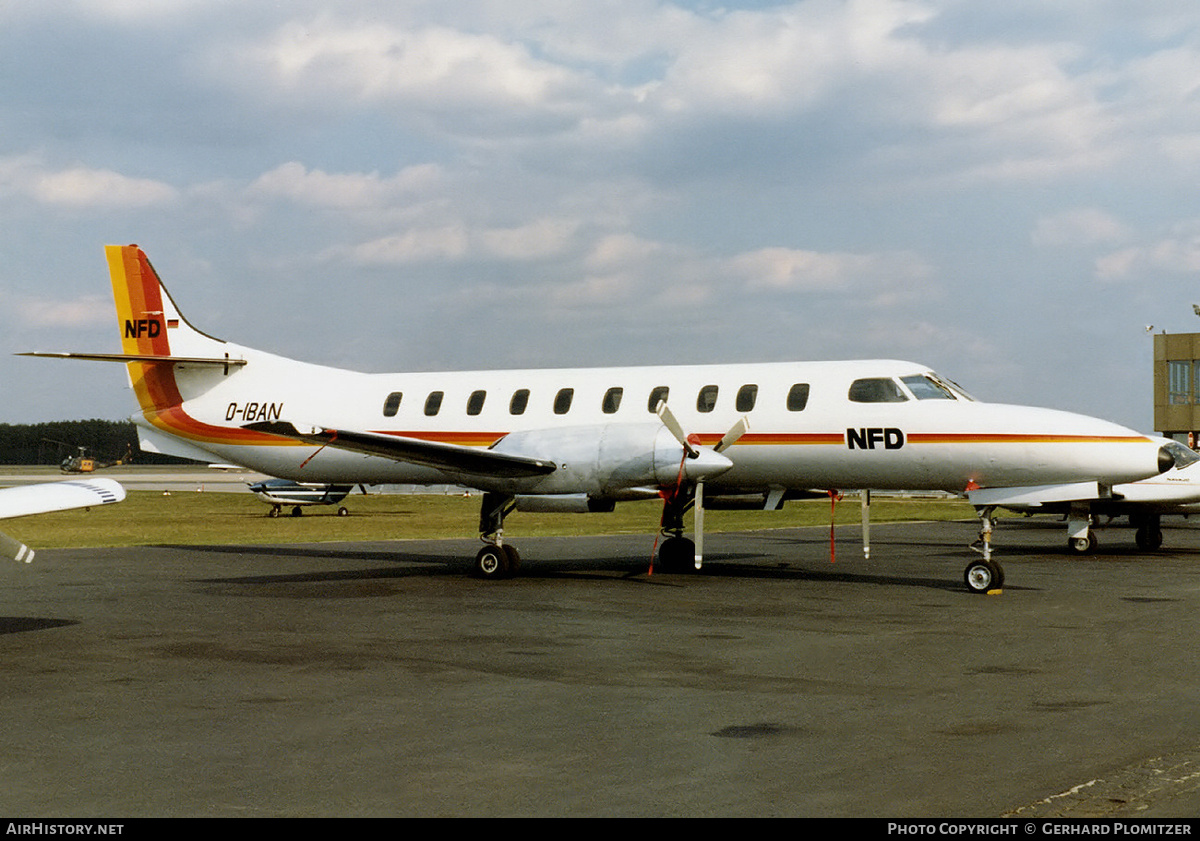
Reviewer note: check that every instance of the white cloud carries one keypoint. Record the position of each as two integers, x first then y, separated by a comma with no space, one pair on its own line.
345,191
1078,227
536,240
811,271
435,67
414,245
80,187
85,311
539,238
1177,254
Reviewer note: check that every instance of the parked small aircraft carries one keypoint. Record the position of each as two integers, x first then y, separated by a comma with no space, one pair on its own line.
585,438
1177,491
23,500
280,492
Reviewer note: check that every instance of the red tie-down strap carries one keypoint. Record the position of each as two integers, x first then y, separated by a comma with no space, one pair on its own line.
834,498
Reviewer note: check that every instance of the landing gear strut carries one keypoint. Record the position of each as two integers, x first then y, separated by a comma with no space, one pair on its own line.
496,559
984,575
1081,540
677,553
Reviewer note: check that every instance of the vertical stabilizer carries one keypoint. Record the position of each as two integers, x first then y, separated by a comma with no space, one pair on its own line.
149,321
186,362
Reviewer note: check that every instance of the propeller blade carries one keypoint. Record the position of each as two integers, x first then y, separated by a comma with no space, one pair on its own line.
698,513
735,432
670,422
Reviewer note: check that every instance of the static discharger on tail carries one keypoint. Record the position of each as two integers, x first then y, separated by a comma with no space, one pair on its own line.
583,439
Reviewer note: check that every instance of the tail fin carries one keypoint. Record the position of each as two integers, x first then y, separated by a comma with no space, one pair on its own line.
150,323
168,359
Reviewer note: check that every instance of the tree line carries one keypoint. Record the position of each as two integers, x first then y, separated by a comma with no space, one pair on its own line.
51,443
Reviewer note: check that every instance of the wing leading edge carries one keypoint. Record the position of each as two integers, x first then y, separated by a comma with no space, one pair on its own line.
453,458
51,496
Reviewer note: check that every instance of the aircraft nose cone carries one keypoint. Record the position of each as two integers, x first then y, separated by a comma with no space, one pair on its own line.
1166,460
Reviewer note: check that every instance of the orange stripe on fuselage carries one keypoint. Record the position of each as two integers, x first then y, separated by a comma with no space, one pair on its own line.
786,439
1018,438
177,422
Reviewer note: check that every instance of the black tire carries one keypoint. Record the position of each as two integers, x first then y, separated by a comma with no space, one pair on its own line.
1082,545
514,558
491,563
677,554
297,511
343,511
983,576
1148,538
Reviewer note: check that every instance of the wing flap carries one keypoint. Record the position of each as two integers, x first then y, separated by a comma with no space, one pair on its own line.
453,458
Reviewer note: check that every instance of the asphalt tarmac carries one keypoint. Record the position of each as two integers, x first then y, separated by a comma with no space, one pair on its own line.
378,679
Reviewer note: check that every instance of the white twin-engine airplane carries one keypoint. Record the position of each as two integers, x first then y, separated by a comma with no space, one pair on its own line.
583,439
24,500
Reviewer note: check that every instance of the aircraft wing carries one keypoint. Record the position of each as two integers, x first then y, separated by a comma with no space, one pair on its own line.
453,458
52,496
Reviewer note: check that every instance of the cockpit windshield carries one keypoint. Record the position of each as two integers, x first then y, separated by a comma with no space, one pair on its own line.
1183,454
927,388
932,387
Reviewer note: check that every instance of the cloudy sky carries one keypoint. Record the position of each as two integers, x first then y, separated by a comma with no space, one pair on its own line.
1007,192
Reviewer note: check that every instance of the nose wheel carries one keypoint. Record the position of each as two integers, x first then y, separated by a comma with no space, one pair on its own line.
983,576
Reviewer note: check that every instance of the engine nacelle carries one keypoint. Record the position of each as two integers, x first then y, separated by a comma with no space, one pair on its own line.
563,504
600,461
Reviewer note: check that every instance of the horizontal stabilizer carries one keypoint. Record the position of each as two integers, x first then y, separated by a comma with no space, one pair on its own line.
140,357
1033,496
453,458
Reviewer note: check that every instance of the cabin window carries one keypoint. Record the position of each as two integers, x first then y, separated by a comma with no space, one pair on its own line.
876,390
520,400
706,400
475,402
657,395
927,388
392,404
797,397
746,397
433,403
612,400
562,400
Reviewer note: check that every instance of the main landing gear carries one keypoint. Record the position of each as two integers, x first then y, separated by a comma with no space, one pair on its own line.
297,511
1148,534
984,575
1081,538
496,559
